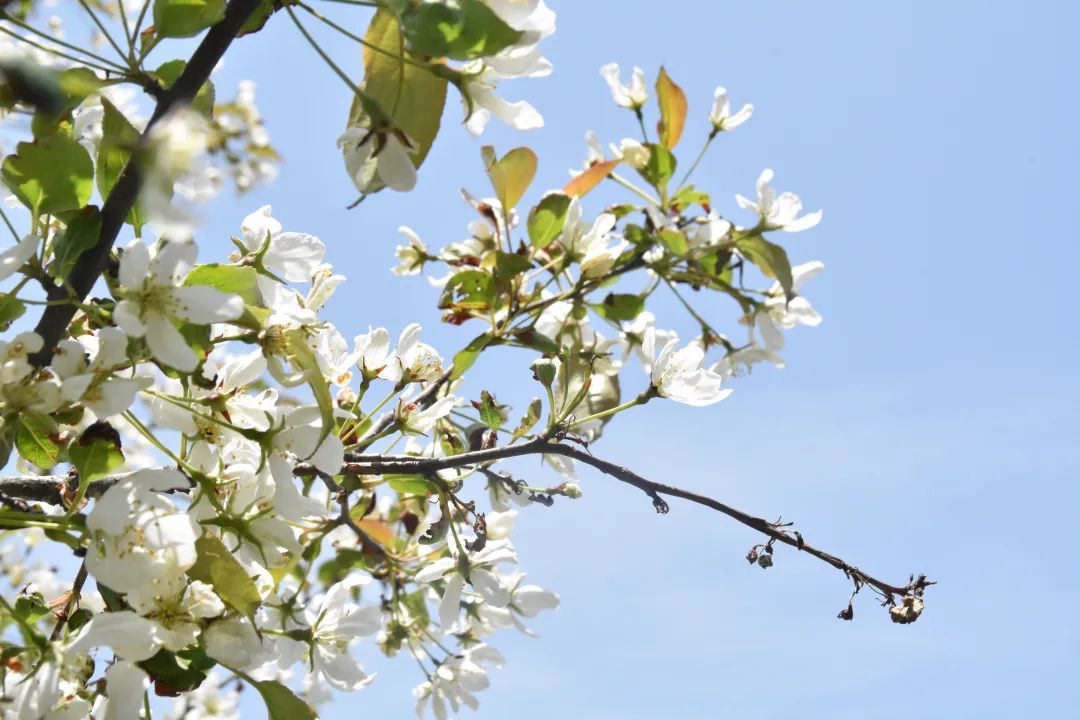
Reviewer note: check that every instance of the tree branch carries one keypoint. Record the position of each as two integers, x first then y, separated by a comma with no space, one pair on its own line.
48,488
375,464
92,263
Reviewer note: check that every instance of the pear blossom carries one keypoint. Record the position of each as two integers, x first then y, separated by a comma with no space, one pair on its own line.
15,356
417,361
778,313
372,158
589,245
631,96
633,153
720,116
125,686
415,420
480,86
141,537
373,352
476,570
93,383
14,257
153,298
778,212
334,627
290,256
130,636
679,375
412,255
234,642
456,681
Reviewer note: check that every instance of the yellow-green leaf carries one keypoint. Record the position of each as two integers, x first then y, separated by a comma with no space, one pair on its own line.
673,107
411,97
511,176
216,566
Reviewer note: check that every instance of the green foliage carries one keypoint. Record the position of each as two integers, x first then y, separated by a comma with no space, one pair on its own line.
547,219
511,174
410,98
216,566
281,703
242,281
186,18
168,73
118,141
11,309
770,258
53,174
96,452
37,438
466,31
620,306
81,234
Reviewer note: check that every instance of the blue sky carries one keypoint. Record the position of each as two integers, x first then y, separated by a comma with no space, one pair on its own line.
928,425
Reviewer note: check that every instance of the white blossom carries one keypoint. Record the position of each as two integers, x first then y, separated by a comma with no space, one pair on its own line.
153,298
778,212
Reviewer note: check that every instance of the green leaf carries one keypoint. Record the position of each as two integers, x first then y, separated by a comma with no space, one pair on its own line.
174,673
547,219
621,307
770,258
507,265
186,18
511,175
491,413
51,175
282,704
216,566
530,418
465,32
81,234
410,484
469,289
31,607
33,84
11,309
410,97
241,281
688,195
303,359
204,99
674,241
465,357
36,438
96,452
673,108
586,181
661,166
118,140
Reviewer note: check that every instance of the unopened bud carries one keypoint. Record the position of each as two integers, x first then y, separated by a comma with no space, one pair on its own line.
544,370
765,560
572,491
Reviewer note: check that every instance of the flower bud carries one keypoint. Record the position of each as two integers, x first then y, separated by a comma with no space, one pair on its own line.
544,370
572,491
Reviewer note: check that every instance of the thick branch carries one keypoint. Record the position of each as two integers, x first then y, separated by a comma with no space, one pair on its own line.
56,318
52,489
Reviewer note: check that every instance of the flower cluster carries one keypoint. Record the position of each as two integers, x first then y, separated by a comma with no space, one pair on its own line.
245,492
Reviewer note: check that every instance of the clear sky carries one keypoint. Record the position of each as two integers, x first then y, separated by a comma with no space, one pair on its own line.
927,426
